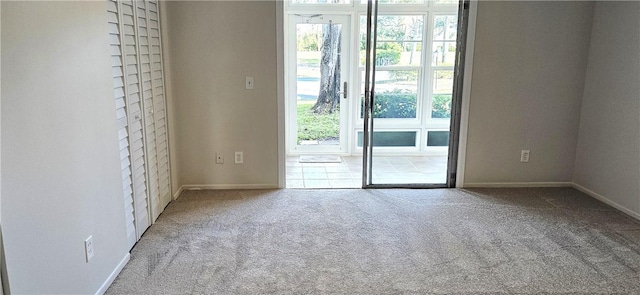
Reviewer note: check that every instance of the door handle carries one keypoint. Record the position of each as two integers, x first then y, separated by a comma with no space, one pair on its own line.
344,88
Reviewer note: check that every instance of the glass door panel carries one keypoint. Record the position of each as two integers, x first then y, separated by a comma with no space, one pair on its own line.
407,115
318,102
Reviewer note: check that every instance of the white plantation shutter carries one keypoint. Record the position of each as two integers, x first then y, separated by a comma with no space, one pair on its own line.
147,95
136,54
159,104
121,117
136,138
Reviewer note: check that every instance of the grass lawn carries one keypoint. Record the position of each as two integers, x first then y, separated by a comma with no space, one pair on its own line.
316,127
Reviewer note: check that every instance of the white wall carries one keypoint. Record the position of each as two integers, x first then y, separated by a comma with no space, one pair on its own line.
171,118
608,151
2,268
213,46
528,75
60,168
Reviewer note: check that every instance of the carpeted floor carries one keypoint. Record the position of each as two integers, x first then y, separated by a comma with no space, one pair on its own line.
553,240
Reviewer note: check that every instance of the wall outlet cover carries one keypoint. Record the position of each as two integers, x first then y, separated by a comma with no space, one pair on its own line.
88,248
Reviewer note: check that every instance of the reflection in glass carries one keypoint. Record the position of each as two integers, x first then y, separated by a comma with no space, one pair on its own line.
396,95
441,106
437,138
445,27
321,1
396,1
391,138
445,2
399,40
444,53
443,81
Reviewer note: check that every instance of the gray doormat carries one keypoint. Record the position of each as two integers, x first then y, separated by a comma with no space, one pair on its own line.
320,159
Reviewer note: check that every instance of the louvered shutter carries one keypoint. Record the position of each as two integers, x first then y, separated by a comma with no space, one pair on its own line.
141,111
159,103
147,97
133,102
121,117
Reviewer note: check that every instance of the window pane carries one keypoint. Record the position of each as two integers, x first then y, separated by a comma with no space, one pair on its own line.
442,81
320,1
441,106
445,2
437,138
396,95
396,1
444,53
399,40
445,27
391,138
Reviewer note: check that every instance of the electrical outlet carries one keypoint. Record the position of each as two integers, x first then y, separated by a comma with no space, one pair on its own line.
524,156
239,158
219,158
88,248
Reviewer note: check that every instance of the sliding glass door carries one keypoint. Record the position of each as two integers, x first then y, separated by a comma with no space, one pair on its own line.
371,91
410,95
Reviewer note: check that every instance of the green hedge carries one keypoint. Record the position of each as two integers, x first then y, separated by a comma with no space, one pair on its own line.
401,105
396,104
441,106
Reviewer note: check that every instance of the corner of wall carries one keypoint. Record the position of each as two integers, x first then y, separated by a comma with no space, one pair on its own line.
584,79
170,97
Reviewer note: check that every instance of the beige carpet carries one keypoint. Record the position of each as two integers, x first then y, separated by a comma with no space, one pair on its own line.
502,241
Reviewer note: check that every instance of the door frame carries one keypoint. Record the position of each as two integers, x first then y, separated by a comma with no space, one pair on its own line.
290,89
281,21
456,103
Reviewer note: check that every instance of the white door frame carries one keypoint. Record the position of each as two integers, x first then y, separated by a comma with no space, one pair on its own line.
281,39
290,89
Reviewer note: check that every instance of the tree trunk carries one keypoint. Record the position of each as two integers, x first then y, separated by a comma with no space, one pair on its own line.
328,95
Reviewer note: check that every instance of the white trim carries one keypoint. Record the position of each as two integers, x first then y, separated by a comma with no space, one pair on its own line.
113,275
605,200
516,184
466,93
176,195
282,158
289,56
228,186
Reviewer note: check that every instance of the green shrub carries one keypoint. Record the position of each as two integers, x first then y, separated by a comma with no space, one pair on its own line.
398,104
441,106
388,53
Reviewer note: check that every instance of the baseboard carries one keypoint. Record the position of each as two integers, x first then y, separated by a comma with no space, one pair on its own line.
574,185
516,184
113,275
177,194
606,200
227,186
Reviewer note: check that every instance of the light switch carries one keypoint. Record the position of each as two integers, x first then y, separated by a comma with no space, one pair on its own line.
249,83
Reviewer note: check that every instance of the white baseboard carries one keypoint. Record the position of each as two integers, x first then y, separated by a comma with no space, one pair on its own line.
581,188
227,186
606,200
187,187
113,275
516,184
177,194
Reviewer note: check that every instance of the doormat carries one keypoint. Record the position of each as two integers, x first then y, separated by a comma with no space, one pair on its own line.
320,159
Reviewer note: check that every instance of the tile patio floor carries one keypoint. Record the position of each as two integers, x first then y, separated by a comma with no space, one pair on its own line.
348,173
